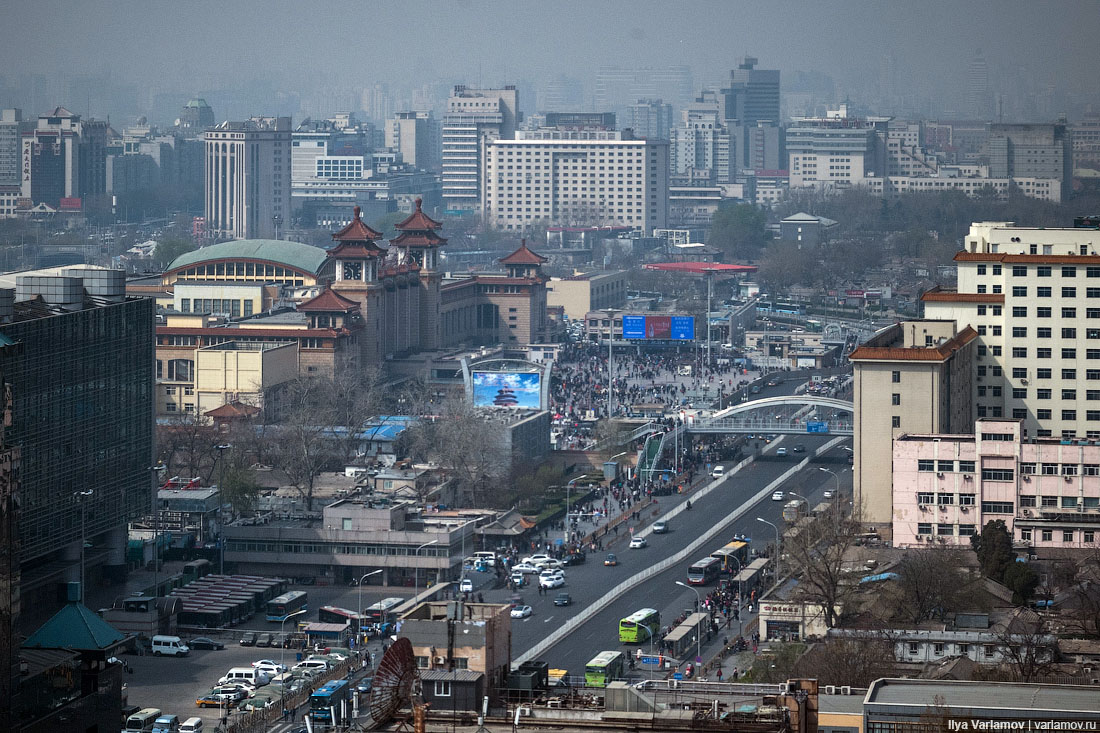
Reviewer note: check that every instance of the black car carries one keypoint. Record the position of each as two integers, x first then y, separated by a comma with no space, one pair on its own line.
563,599
799,449
202,642
264,640
281,640
573,558
248,638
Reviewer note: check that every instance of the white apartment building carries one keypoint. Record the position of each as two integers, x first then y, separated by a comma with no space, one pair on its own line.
701,143
409,133
836,152
572,178
1033,296
474,118
248,174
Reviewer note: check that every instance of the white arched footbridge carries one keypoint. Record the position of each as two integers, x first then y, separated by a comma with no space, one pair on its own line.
791,414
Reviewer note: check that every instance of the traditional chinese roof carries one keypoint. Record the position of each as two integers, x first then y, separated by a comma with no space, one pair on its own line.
232,410
75,627
418,220
523,256
328,301
356,231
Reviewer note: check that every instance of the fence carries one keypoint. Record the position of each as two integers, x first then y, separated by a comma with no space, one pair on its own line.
258,720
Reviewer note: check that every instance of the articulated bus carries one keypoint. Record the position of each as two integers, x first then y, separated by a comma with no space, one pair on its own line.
604,667
640,626
279,607
732,556
329,703
382,613
704,571
336,615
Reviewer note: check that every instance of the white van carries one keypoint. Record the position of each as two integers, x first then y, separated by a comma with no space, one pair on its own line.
191,725
173,646
489,558
142,721
248,675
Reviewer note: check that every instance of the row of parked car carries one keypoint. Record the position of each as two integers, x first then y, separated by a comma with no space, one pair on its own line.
266,639
262,684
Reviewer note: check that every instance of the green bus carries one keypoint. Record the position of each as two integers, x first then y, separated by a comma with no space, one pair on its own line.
639,627
604,667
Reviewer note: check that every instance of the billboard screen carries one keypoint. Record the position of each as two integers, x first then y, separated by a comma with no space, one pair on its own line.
675,328
507,389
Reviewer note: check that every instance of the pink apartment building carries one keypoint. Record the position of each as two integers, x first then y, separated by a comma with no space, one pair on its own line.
946,487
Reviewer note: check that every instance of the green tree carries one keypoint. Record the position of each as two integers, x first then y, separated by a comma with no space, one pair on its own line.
386,223
1021,580
237,487
739,231
994,549
169,248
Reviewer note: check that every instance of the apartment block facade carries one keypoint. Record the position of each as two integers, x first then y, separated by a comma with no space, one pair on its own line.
248,178
571,178
474,117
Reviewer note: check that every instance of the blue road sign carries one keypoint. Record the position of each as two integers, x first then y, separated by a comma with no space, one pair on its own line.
817,427
678,676
651,660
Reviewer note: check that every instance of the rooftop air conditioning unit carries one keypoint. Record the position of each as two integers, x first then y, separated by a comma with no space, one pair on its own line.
1023,381
845,690
441,660
830,689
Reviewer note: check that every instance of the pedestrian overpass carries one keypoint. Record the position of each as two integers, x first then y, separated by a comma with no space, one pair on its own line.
783,415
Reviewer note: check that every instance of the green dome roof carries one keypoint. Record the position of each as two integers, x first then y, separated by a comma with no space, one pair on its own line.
303,257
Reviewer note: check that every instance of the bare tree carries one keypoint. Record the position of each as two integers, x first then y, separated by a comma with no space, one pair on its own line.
303,445
1027,646
855,662
816,555
185,444
931,583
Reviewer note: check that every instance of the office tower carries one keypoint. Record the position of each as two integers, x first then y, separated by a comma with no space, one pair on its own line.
64,157
409,133
618,88
699,152
651,119
837,151
81,375
10,123
560,93
1030,151
576,178
979,100
753,94
474,118
196,116
248,175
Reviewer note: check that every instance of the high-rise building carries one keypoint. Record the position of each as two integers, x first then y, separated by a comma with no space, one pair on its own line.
753,94
651,119
1085,134
979,100
700,151
1031,151
474,118
10,123
64,157
196,115
617,88
80,366
837,151
409,133
576,178
248,178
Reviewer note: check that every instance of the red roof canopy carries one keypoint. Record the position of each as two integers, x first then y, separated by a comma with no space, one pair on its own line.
232,410
700,268
356,231
523,256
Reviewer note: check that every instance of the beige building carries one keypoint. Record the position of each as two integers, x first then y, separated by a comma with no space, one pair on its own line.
239,371
1032,294
248,178
927,368
587,291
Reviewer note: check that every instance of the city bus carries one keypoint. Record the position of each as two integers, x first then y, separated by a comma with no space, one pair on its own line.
279,607
640,626
196,569
604,667
751,578
732,556
329,703
383,613
704,571
337,615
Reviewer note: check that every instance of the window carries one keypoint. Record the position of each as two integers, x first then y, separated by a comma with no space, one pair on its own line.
925,497
997,474
1019,311
1019,291
1025,535
945,530
895,399
945,499
966,466
996,507
1043,271
1069,374
1042,312
1049,469
924,528
1048,501
964,649
1019,393
1042,353
1069,292
981,269
1069,394
1069,353
1027,469
1019,271
1027,500
1088,536
938,648
1019,332
1019,352
945,466
1069,271
967,499
913,647
1048,535
1042,373
895,377
1043,292
1069,313
442,688
895,421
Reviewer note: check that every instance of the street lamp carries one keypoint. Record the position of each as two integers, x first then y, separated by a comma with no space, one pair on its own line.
81,496
282,652
778,550
360,619
416,568
698,631
221,448
156,529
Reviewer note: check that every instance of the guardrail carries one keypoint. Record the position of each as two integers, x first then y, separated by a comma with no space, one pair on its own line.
571,625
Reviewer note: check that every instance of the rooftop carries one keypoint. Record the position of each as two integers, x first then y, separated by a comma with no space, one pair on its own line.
925,694
885,346
303,257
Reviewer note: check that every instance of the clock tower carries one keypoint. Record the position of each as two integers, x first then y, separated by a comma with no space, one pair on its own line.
418,247
359,263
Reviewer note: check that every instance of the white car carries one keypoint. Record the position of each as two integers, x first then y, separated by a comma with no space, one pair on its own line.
549,565
660,526
271,670
533,559
317,665
466,586
552,579
269,663
718,472
637,543
521,612
827,495
779,495
525,568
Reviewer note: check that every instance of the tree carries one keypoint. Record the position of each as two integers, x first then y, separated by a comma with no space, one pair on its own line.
185,445
169,248
994,549
816,555
1027,646
785,265
846,661
739,230
931,583
1022,580
303,445
236,486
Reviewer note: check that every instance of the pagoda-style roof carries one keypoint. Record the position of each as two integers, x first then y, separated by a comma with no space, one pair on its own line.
356,231
233,411
419,238
328,301
75,627
418,220
523,256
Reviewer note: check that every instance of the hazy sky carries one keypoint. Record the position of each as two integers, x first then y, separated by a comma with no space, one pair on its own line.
182,44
